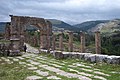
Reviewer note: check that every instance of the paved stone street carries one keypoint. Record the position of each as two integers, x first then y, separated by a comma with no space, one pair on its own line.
54,69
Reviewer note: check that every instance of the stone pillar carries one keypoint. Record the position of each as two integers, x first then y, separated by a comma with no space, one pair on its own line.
43,41
70,41
61,42
97,42
14,36
22,40
7,31
27,38
14,45
53,42
82,36
48,43
35,40
31,40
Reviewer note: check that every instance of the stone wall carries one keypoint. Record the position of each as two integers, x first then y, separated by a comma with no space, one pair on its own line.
94,58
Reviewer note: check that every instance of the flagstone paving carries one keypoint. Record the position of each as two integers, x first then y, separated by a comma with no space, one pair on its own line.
53,69
34,78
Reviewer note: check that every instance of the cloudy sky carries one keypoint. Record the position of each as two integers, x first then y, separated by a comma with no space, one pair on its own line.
70,11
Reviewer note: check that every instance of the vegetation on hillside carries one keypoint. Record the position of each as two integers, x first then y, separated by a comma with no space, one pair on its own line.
111,44
64,25
110,30
2,27
85,26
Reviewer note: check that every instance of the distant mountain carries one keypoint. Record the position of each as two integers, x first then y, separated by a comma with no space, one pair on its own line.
105,26
2,27
64,25
57,24
86,26
111,27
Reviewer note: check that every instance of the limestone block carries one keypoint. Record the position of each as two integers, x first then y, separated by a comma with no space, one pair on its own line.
101,58
84,55
113,59
58,55
81,56
90,57
43,50
74,55
70,55
33,78
51,52
66,54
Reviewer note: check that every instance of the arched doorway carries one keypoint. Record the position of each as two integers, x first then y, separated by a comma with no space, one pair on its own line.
32,35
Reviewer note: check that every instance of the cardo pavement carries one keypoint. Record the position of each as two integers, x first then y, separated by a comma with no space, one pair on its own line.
53,69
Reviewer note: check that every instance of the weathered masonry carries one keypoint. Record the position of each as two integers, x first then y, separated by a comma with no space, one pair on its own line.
16,31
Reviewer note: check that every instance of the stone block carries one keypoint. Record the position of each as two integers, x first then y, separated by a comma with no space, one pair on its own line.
113,59
101,58
90,57
43,51
33,78
80,56
58,55
66,54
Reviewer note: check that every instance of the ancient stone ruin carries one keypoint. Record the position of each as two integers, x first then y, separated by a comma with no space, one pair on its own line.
15,32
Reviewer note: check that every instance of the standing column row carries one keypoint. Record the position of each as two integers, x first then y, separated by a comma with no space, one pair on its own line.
82,38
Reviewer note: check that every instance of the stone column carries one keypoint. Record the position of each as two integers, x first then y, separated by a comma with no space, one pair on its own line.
53,42
43,41
14,38
22,40
35,40
48,43
82,42
70,41
14,45
7,31
61,42
97,42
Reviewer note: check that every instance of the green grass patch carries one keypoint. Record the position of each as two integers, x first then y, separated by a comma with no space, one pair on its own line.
14,72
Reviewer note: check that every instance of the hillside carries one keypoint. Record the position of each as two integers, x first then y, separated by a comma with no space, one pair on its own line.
105,26
57,24
112,26
2,27
88,25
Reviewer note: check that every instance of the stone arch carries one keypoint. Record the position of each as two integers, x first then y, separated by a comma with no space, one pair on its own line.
19,23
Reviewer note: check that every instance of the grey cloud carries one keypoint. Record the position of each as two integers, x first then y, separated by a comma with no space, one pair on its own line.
72,11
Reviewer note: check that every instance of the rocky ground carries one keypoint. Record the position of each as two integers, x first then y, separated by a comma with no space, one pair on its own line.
49,68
